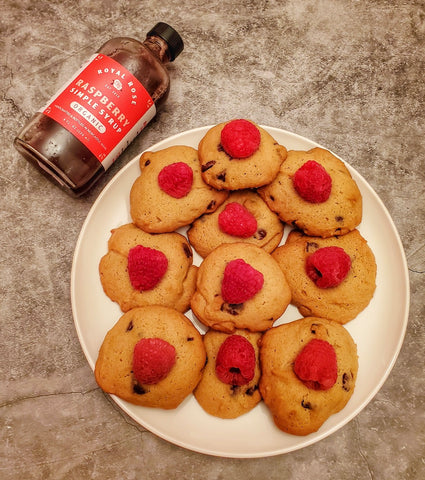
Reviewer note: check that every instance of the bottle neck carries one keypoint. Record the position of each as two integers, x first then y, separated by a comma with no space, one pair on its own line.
158,47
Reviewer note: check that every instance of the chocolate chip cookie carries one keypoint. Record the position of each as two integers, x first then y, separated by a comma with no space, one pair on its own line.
114,365
341,303
170,192
225,399
299,408
223,171
337,214
240,286
141,269
244,216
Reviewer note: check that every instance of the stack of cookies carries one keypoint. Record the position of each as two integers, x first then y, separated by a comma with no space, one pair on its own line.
234,196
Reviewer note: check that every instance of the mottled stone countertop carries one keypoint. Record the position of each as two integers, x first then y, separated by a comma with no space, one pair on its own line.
347,74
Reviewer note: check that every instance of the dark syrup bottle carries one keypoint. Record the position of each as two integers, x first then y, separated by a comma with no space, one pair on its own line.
83,129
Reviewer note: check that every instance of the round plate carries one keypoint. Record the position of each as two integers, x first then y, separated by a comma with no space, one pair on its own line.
378,331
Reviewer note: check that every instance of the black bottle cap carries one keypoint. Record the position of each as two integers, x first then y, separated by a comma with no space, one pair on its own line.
173,39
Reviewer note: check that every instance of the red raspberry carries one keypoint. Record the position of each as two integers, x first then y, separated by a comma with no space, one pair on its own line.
236,220
316,365
240,282
235,363
312,182
146,266
176,179
328,266
240,138
153,358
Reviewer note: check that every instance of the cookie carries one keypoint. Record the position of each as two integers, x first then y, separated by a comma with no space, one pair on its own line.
170,192
315,192
114,370
300,407
225,399
244,216
136,260
240,286
224,172
342,302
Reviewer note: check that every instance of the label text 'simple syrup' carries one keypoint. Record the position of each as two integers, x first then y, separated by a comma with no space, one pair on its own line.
87,124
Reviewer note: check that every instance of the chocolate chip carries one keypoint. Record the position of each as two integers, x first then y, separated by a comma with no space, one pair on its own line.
137,388
311,246
190,339
208,165
211,205
250,391
187,250
346,380
306,405
234,389
232,308
130,326
222,176
148,162
260,234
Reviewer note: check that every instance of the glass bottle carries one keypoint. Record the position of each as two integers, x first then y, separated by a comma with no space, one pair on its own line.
87,124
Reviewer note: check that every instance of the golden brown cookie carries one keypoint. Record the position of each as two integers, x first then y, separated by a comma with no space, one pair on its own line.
223,172
246,217
163,198
341,303
222,399
297,408
177,284
229,294
114,364
339,214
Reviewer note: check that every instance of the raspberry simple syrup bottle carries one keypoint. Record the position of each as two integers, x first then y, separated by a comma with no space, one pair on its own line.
88,123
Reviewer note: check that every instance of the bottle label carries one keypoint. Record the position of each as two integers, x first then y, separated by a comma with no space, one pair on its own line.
104,106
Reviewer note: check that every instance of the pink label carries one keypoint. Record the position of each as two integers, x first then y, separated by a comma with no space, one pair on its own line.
104,106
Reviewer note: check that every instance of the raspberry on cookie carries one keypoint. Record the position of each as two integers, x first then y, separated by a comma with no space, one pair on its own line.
239,154
176,179
235,362
141,268
153,359
315,192
240,282
229,383
316,365
146,267
170,192
244,216
237,221
240,138
328,266
240,286
312,182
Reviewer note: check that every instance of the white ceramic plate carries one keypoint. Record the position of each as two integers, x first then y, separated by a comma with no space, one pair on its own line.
378,331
